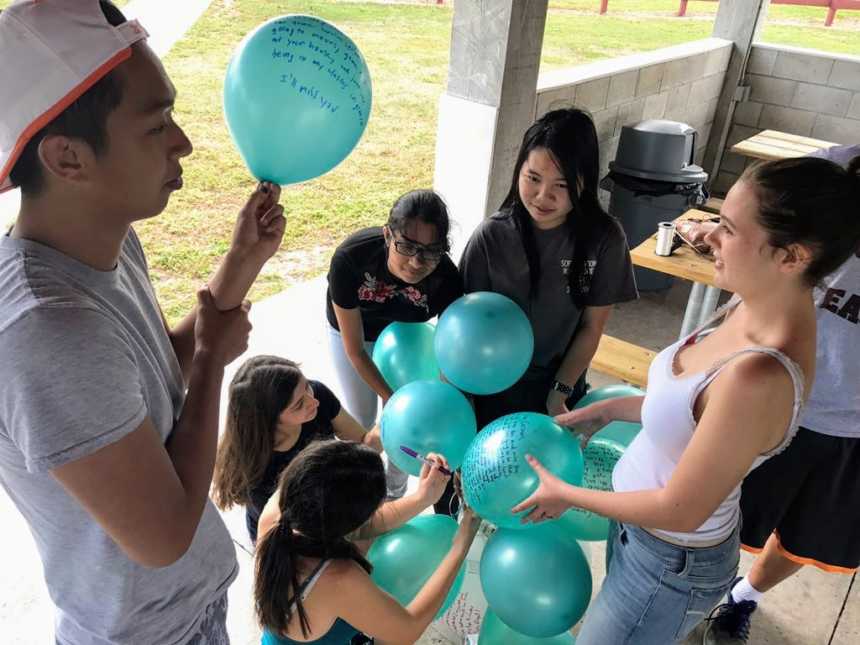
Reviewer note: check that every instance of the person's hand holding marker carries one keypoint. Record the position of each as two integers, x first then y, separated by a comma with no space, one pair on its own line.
433,478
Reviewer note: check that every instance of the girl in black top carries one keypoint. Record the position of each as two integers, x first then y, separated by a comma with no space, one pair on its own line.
273,414
553,250
398,272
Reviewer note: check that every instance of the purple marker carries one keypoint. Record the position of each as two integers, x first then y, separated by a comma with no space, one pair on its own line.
424,459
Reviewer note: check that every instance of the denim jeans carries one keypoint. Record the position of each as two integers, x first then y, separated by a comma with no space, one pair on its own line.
361,402
655,592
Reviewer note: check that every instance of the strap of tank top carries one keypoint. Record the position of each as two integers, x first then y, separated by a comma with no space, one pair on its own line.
798,380
308,585
711,323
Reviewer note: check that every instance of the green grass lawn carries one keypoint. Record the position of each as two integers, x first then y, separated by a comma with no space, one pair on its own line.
406,47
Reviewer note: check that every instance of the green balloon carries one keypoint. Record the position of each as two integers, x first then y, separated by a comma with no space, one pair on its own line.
608,392
404,352
404,559
622,432
600,455
495,474
495,632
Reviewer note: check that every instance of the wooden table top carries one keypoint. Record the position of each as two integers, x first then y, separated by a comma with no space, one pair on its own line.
684,261
772,144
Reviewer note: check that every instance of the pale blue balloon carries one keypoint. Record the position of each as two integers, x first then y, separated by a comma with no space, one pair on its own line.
495,473
484,342
404,559
427,416
403,353
538,582
297,98
495,632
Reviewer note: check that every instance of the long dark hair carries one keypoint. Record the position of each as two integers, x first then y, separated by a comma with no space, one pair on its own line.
571,139
812,202
329,490
259,392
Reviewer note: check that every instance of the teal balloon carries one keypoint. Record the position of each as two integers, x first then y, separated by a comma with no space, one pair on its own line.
427,416
495,473
484,342
404,353
622,432
495,632
297,98
601,455
608,392
404,559
538,581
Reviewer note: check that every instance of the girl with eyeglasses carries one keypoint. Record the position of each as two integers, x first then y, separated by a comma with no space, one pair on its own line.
378,275
554,251
274,413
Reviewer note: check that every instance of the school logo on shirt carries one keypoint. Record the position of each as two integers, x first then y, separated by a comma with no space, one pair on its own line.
835,300
584,277
374,290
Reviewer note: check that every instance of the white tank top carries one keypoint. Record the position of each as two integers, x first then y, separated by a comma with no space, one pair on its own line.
668,425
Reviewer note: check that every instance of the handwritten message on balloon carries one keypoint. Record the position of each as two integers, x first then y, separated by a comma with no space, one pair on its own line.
297,98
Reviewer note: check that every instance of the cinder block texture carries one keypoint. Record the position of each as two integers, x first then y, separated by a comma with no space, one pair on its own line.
802,67
819,98
845,74
766,89
622,87
775,117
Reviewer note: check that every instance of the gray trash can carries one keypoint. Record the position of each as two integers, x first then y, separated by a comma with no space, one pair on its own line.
653,179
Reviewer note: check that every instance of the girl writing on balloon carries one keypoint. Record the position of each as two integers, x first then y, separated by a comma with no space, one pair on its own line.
312,583
274,412
554,251
719,403
397,272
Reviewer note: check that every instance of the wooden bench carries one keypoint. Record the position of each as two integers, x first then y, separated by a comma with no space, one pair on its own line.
713,205
623,360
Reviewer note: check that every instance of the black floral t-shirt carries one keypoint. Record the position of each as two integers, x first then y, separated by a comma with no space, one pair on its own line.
359,277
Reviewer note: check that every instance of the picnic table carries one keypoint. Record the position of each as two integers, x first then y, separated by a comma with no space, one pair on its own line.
630,362
773,144
687,264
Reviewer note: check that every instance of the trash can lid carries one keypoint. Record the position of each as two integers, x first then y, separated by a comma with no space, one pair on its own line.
660,150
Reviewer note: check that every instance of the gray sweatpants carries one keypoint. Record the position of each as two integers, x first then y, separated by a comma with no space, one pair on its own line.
362,403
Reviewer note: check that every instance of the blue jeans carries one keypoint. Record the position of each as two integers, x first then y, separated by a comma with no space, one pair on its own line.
655,592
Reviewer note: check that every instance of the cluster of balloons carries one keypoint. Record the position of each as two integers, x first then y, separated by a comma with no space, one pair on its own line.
535,578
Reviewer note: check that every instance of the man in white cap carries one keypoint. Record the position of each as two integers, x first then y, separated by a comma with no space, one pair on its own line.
108,418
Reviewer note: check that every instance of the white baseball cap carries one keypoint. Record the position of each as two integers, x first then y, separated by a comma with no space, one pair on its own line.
52,51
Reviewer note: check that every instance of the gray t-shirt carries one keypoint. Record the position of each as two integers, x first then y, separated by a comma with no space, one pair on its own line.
84,358
495,260
834,403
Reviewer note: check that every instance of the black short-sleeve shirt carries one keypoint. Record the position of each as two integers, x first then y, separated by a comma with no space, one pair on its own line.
320,427
495,260
359,277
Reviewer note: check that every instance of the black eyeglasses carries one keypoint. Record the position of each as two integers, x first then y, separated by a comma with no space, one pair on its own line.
430,255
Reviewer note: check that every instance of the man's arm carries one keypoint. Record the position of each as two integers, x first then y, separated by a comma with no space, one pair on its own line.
148,496
256,237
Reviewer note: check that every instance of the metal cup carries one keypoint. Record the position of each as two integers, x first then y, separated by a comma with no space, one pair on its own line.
665,235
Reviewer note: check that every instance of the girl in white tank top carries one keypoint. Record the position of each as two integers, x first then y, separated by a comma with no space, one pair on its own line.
718,404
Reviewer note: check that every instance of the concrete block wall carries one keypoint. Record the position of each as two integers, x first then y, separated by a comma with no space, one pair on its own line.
800,91
680,83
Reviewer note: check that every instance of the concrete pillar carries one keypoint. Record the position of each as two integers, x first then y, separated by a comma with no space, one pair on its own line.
488,104
739,21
